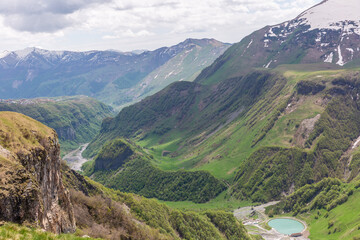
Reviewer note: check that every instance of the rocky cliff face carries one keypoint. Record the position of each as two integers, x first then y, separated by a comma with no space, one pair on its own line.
31,188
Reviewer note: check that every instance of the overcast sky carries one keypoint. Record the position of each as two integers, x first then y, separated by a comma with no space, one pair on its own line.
135,24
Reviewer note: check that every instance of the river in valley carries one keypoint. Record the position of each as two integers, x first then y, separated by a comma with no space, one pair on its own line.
75,159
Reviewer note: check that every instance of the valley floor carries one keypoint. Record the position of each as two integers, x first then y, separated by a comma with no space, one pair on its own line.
75,159
255,221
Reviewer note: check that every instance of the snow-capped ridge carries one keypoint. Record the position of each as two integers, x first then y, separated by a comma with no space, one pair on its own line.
333,14
24,53
4,54
330,31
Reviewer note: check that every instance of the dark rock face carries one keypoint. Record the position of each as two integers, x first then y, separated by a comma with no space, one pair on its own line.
77,182
68,133
31,188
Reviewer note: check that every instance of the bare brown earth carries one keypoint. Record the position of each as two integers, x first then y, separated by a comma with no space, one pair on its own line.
304,130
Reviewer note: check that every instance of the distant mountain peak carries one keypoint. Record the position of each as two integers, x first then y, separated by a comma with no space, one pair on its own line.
4,54
328,34
330,31
24,53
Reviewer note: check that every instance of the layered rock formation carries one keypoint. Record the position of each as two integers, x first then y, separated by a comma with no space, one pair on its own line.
31,188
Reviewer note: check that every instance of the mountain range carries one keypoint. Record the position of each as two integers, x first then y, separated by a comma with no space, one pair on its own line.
273,116
116,78
326,33
274,119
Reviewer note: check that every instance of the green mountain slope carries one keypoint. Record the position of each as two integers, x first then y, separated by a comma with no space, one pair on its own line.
326,145
329,208
113,214
75,119
13,231
265,128
220,126
34,193
296,41
185,114
123,166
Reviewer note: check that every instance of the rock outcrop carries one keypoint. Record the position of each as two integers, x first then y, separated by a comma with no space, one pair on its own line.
31,188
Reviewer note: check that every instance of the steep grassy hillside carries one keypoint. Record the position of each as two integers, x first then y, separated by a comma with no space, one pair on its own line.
12,231
107,213
329,207
19,132
185,114
303,120
75,119
326,145
341,222
33,193
125,167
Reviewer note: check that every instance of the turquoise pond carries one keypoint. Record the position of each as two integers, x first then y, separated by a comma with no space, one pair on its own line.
286,226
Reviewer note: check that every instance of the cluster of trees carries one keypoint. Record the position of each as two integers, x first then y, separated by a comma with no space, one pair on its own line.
111,214
270,171
309,87
139,176
326,194
123,166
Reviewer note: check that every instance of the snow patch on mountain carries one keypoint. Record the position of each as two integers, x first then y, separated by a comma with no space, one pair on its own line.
352,52
341,60
329,58
268,65
333,14
250,43
4,54
24,52
338,15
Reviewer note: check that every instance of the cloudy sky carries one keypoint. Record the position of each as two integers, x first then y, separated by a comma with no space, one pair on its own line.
135,24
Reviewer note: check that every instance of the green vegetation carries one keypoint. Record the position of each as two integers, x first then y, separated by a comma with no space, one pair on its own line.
16,232
247,130
129,169
113,155
354,166
185,117
272,170
100,210
308,87
19,132
341,222
326,194
75,119
222,202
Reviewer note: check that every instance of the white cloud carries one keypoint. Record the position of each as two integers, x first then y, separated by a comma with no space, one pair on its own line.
129,33
128,24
